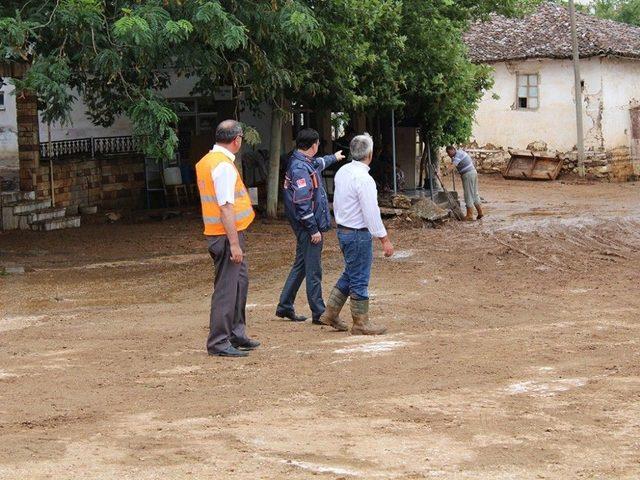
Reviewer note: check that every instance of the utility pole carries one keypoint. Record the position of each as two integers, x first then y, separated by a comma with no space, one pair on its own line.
578,87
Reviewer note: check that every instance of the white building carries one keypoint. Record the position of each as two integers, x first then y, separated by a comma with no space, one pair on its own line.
532,99
196,122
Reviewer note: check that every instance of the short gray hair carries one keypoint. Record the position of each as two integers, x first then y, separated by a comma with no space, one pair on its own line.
361,147
227,131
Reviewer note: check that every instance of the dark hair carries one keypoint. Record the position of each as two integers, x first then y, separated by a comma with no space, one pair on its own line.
227,131
451,148
307,138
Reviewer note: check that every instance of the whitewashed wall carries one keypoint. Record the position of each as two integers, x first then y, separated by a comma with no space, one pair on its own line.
610,85
621,78
8,129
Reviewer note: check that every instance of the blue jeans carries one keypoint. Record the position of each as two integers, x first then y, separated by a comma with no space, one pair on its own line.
307,264
357,249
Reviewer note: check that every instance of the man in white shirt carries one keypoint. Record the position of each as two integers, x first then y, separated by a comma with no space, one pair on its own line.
355,205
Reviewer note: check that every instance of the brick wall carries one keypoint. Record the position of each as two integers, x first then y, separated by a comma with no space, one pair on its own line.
123,181
113,181
28,139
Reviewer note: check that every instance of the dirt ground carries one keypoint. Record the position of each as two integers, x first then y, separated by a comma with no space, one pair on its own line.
512,353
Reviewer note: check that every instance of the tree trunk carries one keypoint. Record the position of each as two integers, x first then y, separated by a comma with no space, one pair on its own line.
273,185
323,118
359,122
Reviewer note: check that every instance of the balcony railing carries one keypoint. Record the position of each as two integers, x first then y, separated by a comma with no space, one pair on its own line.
90,147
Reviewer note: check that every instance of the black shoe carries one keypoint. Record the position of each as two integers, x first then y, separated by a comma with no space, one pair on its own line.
248,345
316,321
230,351
291,316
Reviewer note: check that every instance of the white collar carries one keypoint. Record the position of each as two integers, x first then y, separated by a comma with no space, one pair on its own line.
221,149
362,164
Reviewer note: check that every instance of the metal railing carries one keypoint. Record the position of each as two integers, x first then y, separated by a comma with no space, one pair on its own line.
90,147
65,148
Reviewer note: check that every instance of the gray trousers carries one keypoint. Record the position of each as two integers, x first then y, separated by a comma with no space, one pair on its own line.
227,322
470,187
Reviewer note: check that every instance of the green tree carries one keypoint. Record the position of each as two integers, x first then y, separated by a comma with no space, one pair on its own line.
442,87
117,56
627,11
331,55
273,67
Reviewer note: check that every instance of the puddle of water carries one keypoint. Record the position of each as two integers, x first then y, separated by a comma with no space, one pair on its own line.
579,290
18,322
375,347
545,389
318,468
256,305
5,374
400,254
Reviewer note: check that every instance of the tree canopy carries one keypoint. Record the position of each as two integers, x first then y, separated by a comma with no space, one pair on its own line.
340,55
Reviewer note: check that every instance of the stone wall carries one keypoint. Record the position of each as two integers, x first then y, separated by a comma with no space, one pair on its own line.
111,182
614,165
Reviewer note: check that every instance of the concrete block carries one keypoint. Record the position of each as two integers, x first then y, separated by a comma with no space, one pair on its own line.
57,224
47,214
16,270
30,206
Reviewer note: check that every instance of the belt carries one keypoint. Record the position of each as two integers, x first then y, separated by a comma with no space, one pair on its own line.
342,227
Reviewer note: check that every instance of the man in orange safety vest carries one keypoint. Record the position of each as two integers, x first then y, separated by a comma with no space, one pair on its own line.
226,213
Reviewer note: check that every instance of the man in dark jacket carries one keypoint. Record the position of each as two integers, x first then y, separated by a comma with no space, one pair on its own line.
307,210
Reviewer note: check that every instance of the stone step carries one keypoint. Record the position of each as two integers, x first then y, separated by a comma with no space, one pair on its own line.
14,197
56,224
45,214
14,214
27,206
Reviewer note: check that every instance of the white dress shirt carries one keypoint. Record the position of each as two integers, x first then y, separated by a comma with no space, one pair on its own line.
355,199
224,178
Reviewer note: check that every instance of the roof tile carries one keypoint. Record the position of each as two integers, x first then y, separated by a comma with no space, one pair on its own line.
546,33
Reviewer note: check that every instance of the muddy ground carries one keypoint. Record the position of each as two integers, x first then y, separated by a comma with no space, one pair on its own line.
512,353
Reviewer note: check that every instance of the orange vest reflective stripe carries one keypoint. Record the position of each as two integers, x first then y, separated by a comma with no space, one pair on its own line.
211,214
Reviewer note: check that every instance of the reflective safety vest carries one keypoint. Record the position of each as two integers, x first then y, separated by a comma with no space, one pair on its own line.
211,214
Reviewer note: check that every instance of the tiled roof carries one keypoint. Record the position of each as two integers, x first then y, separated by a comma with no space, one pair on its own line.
546,33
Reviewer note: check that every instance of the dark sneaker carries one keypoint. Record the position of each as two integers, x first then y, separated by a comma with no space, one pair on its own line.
248,345
230,351
291,316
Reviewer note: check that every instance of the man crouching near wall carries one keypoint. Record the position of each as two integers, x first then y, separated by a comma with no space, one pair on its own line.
355,205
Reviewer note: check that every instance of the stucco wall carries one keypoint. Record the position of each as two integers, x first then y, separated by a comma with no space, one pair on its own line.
621,78
500,123
8,129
